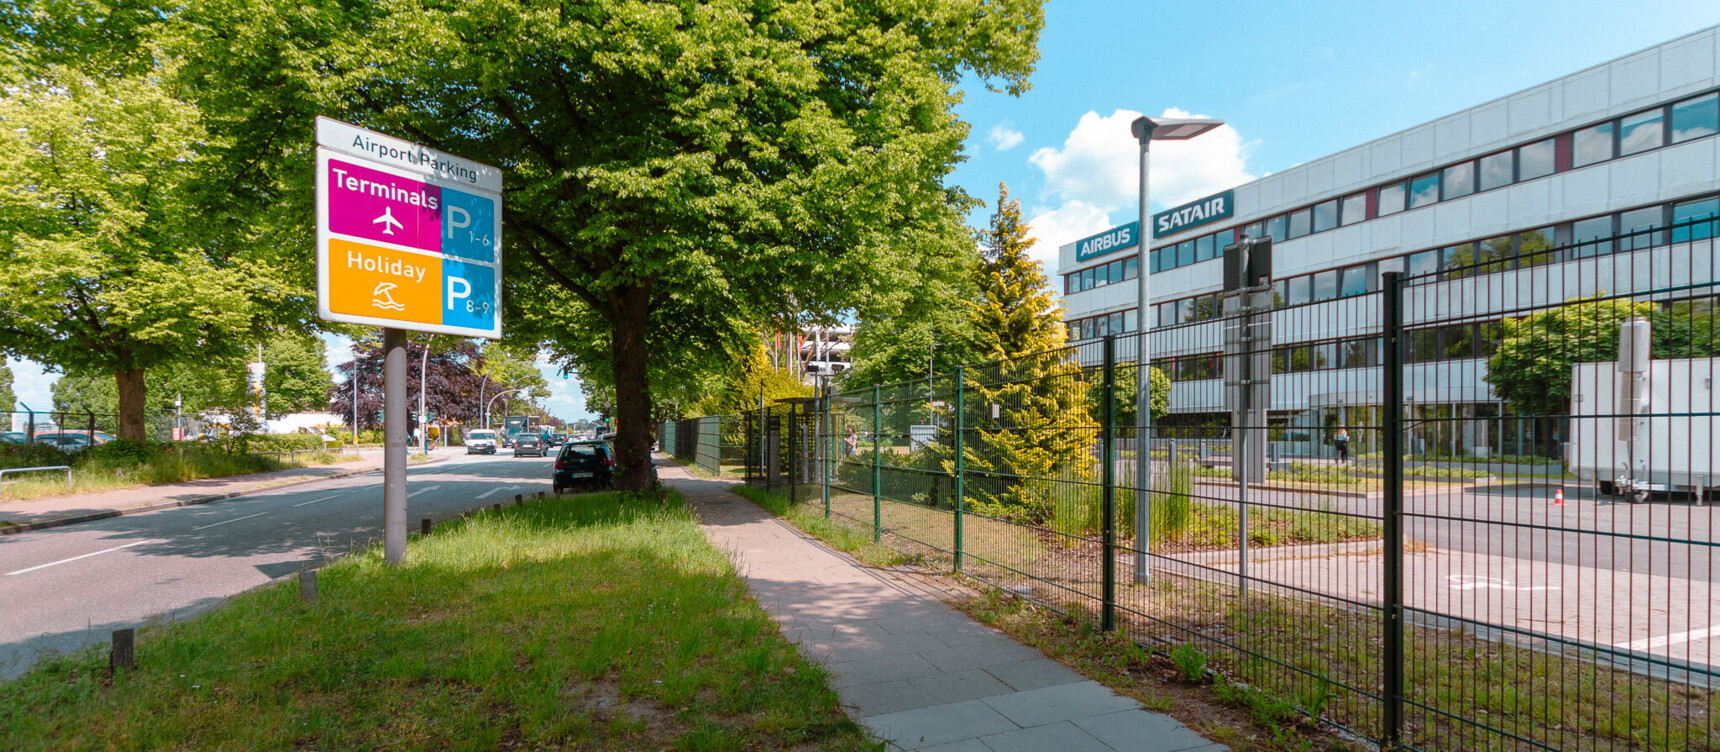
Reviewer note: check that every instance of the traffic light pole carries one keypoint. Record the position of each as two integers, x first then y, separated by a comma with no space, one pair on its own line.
394,441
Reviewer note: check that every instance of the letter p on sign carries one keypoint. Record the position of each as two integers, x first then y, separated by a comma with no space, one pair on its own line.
458,288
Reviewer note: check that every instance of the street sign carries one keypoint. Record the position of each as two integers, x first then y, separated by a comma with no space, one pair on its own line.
407,237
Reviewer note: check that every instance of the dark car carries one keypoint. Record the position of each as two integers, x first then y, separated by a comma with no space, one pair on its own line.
583,464
529,444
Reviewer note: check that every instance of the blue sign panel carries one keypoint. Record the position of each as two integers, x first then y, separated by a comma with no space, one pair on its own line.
1189,216
469,225
1114,239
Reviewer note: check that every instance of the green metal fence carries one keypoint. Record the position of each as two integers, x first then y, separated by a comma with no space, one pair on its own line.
715,443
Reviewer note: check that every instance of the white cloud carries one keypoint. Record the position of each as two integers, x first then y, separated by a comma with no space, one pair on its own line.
1098,164
337,349
1055,227
1004,138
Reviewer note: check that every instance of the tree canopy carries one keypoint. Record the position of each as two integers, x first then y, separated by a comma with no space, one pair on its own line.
110,265
678,175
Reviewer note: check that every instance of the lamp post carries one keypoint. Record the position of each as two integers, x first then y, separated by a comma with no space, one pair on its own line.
1148,130
493,400
423,418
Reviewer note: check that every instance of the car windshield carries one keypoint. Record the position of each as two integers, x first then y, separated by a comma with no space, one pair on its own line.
481,435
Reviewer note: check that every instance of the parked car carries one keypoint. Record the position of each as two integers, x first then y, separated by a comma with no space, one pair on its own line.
70,442
14,437
529,445
583,464
481,441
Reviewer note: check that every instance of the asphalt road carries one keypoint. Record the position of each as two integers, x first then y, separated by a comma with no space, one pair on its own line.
68,587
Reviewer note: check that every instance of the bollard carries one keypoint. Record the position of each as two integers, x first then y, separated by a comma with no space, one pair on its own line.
498,506
540,496
123,655
518,498
308,585
424,527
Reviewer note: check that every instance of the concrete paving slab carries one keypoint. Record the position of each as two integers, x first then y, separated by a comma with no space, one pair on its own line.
1062,736
953,686
1037,707
1038,673
938,724
965,745
874,670
1149,732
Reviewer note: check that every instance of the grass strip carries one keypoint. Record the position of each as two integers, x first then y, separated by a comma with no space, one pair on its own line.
810,517
601,622
117,473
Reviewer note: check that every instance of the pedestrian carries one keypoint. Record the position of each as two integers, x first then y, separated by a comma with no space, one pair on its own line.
850,443
1342,441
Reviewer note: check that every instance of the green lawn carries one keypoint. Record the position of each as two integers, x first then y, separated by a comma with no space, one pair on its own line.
579,622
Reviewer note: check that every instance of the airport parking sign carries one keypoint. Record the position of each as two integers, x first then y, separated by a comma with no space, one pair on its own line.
407,237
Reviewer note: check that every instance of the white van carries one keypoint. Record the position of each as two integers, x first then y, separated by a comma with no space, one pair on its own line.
482,440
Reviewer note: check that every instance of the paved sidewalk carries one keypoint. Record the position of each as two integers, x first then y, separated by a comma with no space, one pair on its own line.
35,513
910,668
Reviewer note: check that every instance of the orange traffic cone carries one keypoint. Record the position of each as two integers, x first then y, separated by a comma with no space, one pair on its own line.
1559,497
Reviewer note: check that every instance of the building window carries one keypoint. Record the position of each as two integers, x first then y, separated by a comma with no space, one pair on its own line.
1459,261
1255,230
1355,281
1298,290
1497,170
1276,228
1426,262
1203,248
1642,228
1695,118
1355,354
1130,320
1592,237
1642,131
1326,285
1354,209
1423,346
1393,264
1131,267
1223,239
1153,261
1325,215
1185,253
1688,219
1458,180
1424,190
1494,254
1301,223
1537,160
1391,199
1325,355
1593,144
1458,341
1535,247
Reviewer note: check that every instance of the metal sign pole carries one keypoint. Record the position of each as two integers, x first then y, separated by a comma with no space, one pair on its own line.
394,445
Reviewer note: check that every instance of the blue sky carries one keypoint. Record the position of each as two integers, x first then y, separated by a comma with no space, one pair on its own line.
1294,81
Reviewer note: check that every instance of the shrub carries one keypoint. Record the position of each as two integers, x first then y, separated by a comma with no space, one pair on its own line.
32,455
1191,662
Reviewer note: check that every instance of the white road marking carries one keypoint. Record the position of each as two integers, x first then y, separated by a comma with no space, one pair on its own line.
313,501
1650,643
75,558
1471,582
223,522
487,494
421,490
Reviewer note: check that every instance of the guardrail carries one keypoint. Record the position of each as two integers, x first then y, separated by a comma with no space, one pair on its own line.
44,468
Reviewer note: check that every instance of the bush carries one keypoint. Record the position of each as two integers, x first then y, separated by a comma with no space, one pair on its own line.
32,455
121,451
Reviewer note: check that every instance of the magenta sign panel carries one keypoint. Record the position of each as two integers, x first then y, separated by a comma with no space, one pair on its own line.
375,205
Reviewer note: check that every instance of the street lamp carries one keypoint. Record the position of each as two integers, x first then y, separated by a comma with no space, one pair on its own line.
1148,130
493,400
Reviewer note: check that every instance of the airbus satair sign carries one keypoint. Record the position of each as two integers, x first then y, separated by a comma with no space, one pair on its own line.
1188,216
1114,239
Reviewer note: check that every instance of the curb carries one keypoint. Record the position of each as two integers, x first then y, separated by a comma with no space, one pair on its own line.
26,527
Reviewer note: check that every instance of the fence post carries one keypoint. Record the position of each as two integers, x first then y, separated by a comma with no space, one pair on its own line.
793,465
1108,418
824,448
877,468
1392,513
961,471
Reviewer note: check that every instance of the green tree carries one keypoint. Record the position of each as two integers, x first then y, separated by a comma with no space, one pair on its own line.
750,380
1033,385
111,267
1532,367
8,399
679,174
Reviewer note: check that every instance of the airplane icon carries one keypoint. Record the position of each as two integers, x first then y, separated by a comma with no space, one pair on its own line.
387,221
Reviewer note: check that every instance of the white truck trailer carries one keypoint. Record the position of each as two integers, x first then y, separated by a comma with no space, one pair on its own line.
1640,425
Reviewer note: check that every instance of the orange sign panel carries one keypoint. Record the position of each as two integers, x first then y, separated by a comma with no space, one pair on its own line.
368,280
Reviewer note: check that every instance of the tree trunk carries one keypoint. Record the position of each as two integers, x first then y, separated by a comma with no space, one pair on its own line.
629,308
131,394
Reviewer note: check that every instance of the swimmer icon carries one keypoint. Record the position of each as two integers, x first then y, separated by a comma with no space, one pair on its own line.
381,298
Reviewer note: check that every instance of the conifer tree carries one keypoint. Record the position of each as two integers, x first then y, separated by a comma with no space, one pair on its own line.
1014,460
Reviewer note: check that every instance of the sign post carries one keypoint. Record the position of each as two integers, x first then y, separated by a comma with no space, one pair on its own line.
408,238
